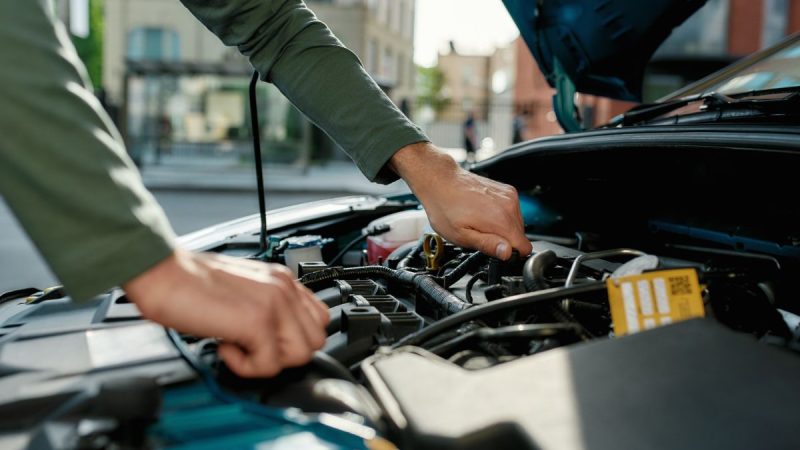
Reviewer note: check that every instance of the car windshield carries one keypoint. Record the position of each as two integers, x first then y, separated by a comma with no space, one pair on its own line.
774,68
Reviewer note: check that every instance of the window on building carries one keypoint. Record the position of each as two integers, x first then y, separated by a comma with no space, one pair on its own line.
396,15
401,17
372,56
383,11
469,76
388,65
153,44
401,67
776,21
408,21
373,6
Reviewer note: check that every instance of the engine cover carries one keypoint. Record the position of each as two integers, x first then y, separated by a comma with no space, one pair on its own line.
672,387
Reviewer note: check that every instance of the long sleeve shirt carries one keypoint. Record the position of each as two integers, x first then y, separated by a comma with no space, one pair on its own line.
64,170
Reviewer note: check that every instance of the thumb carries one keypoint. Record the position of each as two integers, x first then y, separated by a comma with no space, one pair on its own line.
487,243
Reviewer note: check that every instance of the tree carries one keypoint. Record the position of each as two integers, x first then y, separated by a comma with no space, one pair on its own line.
90,49
431,82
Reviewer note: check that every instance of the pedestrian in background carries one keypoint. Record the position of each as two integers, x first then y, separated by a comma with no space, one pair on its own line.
518,128
470,136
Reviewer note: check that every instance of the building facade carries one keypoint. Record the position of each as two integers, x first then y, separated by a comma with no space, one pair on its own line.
179,89
381,33
482,85
466,85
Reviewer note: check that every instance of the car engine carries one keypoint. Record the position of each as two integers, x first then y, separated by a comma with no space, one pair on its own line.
443,347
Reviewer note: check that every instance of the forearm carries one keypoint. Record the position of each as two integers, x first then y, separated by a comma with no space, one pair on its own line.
299,54
63,168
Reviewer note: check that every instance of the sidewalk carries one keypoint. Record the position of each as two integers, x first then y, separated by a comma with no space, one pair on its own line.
214,174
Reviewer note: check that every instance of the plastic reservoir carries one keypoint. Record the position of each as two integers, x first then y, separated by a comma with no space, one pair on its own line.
302,249
404,227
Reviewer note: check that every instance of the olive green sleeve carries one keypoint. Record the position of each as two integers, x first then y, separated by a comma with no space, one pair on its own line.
292,49
63,168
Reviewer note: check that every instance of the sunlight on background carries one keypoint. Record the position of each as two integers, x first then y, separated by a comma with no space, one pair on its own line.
476,26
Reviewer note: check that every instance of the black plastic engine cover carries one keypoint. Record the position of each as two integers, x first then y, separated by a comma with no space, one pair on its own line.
692,385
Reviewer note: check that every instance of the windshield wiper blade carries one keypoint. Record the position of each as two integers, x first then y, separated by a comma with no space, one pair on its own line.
716,107
649,111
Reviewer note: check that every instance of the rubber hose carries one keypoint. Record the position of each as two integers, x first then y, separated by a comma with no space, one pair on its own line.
473,261
426,285
330,296
439,295
335,323
335,273
400,253
411,256
533,271
331,367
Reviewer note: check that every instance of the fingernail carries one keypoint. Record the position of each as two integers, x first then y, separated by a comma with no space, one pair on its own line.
501,250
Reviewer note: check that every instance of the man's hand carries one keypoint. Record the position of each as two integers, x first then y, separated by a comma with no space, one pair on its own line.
266,320
466,209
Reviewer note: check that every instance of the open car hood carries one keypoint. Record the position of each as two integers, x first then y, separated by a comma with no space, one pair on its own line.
601,46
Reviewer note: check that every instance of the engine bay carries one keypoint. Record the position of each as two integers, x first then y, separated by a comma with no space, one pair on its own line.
646,334
439,346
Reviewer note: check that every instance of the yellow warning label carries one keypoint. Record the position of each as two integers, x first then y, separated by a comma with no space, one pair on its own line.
641,302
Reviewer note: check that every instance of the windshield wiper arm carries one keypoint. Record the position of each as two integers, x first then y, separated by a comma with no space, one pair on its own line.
649,111
716,107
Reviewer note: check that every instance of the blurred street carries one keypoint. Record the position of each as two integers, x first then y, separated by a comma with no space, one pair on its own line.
188,210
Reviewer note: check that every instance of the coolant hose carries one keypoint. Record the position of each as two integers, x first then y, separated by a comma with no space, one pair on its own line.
533,271
472,262
410,256
425,284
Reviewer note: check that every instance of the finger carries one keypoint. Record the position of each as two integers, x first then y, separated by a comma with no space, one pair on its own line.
294,348
306,315
520,242
319,309
245,364
316,323
487,243
303,310
515,232
322,309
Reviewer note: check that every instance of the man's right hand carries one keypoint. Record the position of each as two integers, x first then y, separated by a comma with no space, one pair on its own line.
266,320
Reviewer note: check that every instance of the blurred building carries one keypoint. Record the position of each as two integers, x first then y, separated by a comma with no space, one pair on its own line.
182,92
502,72
718,34
466,85
478,84
381,33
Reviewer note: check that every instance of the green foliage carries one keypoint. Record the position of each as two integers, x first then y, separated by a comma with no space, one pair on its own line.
430,82
90,49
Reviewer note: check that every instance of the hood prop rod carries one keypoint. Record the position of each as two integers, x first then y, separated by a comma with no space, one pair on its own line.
262,205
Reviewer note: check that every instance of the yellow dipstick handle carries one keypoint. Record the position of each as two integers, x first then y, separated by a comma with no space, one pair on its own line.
433,248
